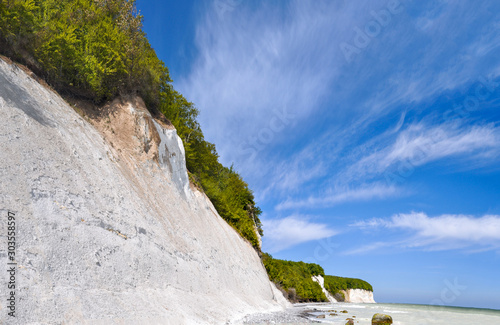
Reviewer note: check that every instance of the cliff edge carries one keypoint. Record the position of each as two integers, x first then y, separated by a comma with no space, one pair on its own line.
345,295
358,296
108,229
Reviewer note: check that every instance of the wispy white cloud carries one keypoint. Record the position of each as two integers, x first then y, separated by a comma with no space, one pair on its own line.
257,59
284,233
420,144
468,146
442,232
337,196
368,248
289,176
260,59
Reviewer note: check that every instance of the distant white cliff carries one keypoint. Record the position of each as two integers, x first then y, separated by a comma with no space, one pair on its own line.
350,295
109,230
358,296
319,279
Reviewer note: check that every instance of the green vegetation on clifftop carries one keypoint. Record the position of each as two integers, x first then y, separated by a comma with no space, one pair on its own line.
295,278
334,284
96,50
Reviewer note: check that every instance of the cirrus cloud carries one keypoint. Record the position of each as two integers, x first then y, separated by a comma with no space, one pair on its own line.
444,232
293,230
337,196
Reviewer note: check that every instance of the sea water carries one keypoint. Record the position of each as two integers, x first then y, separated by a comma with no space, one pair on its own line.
404,314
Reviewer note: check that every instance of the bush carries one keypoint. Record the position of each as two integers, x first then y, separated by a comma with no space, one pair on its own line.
334,284
295,278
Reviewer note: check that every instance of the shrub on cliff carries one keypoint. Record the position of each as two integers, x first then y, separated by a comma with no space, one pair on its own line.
296,275
334,284
95,49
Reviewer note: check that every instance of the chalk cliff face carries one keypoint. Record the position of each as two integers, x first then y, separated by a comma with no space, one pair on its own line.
109,230
321,281
351,295
358,296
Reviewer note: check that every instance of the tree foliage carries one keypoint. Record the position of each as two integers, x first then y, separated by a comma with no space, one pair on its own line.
334,284
296,275
97,50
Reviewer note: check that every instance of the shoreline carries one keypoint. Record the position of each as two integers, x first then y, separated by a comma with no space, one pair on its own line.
297,314
361,313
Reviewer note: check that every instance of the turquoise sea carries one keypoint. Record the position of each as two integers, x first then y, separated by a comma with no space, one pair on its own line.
405,314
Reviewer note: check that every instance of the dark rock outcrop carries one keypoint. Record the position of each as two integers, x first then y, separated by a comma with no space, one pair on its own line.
381,319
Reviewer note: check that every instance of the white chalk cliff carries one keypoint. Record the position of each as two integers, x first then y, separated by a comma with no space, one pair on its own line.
358,296
321,281
109,230
351,295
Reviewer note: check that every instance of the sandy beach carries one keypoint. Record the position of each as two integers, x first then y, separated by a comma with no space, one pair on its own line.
402,314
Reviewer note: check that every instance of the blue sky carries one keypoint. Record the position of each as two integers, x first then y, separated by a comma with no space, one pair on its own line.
368,130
